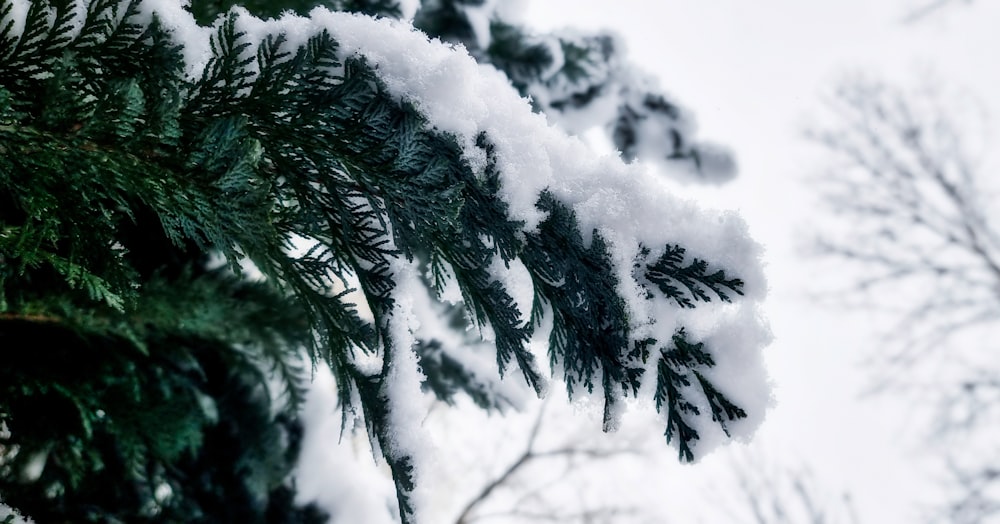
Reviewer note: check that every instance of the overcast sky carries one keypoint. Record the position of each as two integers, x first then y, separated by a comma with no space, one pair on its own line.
753,73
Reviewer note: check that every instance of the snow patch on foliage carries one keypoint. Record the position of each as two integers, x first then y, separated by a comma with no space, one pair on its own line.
463,98
598,74
11,516
408,8
79,8
176,19
17,16
625,203
454,92
407,406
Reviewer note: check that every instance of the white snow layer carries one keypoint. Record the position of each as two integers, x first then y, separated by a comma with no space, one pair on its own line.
627,204
407,406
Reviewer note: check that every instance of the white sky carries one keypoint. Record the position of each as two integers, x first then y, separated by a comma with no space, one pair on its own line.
752,73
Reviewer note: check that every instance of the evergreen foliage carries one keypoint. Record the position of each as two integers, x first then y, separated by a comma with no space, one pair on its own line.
569,74
675,368
668,271
170,245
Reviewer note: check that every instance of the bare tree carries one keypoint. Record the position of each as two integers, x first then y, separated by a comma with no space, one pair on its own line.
530,503
765,491
976,497
911,191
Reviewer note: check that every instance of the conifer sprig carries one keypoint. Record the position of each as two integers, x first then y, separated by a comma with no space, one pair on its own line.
676,366
590,332
446,377
673,278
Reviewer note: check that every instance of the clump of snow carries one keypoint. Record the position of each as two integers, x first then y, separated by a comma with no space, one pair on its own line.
599,71
511,11
8,514
739,369
408,8
402,380
175,18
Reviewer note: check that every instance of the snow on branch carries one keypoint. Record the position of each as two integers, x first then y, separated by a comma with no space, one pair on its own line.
384,148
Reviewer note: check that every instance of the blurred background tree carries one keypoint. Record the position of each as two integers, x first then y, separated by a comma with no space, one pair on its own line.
910,184
923,10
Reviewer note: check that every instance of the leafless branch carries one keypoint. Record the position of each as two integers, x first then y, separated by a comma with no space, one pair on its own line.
918,233
977,499
771,493
569,449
